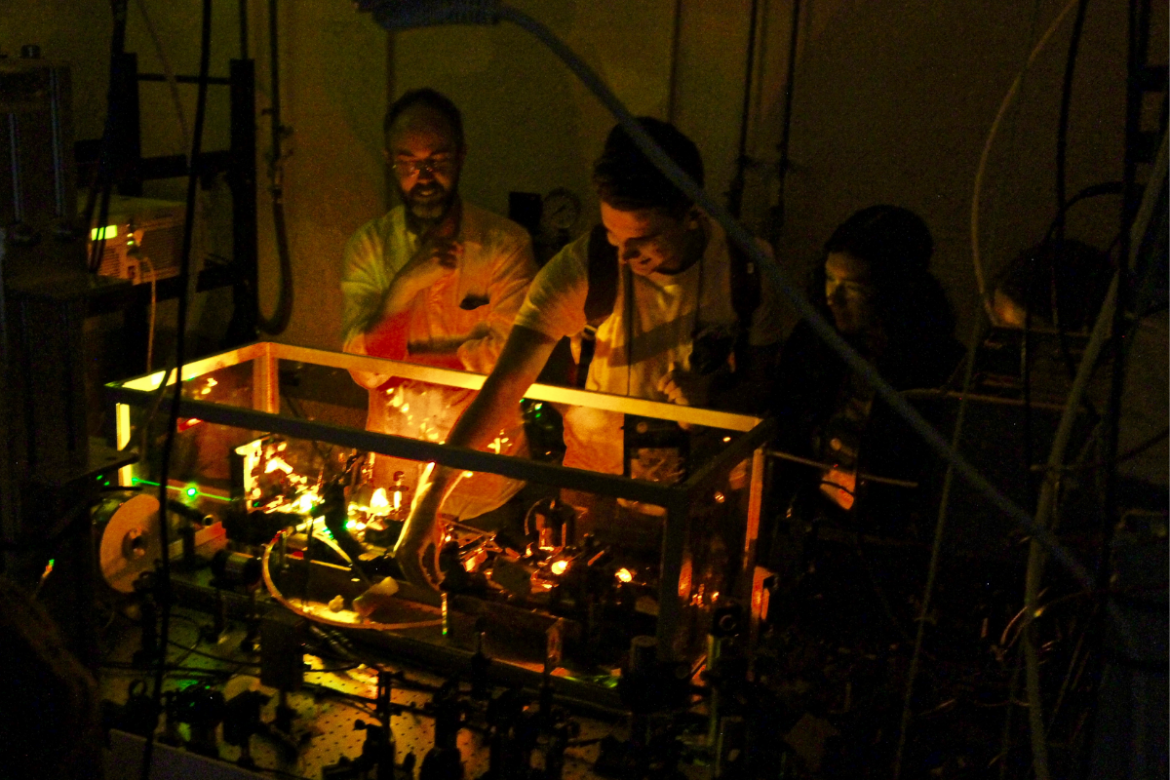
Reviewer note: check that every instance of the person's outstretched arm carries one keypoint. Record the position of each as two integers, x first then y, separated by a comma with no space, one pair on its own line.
521,361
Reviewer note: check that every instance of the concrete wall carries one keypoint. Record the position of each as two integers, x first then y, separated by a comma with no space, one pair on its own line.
893,101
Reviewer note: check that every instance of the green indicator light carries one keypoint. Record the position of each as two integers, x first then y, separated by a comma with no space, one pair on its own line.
52,562
98,234
192,492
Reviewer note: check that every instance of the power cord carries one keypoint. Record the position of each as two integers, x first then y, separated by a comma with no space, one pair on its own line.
144,260
102,186
280,318
164,595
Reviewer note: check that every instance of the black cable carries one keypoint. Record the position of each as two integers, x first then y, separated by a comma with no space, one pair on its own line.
836,486
164,584
1092,191
735,194
243,7
1061,184
115,106
1062,126
784,163
1137,43
280,318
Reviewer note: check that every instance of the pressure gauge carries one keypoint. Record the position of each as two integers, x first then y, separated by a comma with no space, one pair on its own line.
561,210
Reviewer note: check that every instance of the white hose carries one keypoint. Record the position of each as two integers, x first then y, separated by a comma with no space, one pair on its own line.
984,295
1049,488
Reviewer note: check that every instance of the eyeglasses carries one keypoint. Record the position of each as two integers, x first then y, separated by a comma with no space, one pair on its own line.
440,165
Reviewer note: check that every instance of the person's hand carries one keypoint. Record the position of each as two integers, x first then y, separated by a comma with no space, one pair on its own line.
416,552
436,258
684,388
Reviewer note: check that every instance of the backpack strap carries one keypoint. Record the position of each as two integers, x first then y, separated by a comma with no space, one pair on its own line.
602,270
745,290
602,274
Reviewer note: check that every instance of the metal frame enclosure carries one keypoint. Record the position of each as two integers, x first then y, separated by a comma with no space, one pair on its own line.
746,444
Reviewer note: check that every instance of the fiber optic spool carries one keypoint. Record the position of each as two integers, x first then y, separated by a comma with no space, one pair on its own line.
130,541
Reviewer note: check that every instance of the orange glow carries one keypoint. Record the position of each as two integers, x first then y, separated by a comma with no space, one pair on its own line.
840,486
684,579
277,463
378,503
624,575
305,503
558,567
475,561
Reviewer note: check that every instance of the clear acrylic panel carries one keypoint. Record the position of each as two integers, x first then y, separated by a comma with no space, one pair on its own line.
273,440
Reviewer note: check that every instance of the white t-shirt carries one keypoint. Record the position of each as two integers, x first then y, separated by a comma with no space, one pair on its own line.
632,353
473,306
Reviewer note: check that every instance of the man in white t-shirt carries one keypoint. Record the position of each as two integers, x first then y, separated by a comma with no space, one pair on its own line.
436,281
670,257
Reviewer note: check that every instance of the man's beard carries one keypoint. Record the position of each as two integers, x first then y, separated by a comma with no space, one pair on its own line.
429,201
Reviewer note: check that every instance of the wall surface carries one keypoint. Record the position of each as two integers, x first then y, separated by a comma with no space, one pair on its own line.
893,101
530,124
333,93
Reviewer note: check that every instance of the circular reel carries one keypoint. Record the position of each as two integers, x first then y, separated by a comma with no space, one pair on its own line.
130,542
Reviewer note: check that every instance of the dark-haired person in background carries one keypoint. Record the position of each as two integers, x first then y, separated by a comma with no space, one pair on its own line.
874,285
437,281
673,285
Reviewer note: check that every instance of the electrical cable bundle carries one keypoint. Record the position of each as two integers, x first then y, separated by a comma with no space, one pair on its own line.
280,318
164,585
102,186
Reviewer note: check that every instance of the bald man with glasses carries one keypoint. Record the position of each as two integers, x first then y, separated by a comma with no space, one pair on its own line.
435,281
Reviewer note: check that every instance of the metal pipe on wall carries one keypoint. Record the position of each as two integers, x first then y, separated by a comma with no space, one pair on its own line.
283,313
776,220
735,191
